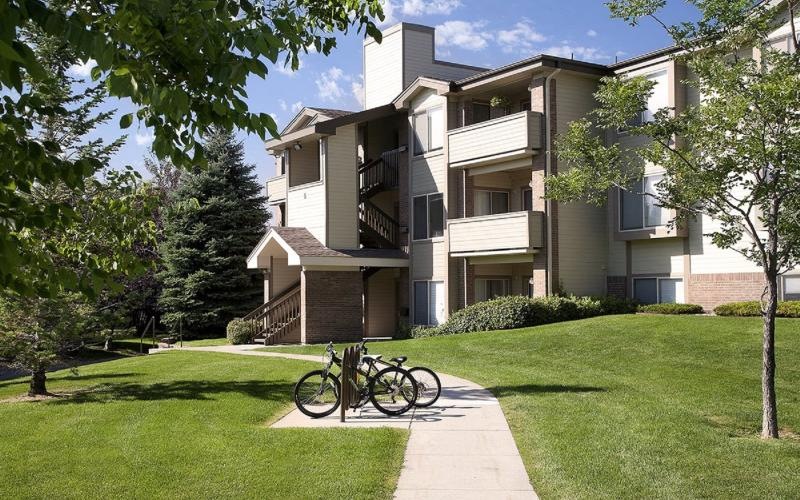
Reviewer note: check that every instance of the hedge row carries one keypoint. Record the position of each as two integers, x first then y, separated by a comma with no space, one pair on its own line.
506,313
788,309
671,308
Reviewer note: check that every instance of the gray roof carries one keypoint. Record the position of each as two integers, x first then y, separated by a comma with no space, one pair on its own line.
332,113
306,245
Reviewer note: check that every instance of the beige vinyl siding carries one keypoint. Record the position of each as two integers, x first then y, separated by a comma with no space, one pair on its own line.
659,256
513,230
283,276
304,164
707,258
342,185
582,228
419,59
383,69
517,132
428,171
381,299
306,207
429,260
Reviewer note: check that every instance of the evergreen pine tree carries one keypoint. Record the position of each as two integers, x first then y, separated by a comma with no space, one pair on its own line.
205,279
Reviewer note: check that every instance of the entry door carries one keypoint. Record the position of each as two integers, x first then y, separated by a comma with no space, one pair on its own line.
436,305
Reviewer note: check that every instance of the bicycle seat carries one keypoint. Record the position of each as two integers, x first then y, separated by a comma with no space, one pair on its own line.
371,358
399,359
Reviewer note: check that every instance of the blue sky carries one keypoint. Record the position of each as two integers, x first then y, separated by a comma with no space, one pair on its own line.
479,32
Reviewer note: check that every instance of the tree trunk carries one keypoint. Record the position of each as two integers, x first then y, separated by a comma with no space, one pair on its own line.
38,387
769,422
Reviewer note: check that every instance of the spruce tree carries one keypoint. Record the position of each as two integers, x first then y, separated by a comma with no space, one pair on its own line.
218,215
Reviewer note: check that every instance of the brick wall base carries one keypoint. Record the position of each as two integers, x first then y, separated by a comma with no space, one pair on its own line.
332,306
617,286
711,290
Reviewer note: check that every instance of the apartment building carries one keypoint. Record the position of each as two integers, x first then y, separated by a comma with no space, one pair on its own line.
430,199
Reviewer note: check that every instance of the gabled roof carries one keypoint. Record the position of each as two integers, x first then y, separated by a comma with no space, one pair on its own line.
309,116
421,82
302,249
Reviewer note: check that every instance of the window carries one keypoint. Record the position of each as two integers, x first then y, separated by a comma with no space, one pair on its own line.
283,162
428,216
428,302
640,211
323,155
481,112
428,131
658,290
525,105
791,287
491,288
527,200
490,202
658,100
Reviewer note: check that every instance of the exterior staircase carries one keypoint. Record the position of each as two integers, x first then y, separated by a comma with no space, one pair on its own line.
378,229
274,320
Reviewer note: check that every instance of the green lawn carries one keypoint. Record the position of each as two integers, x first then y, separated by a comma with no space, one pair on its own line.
184,425
634,406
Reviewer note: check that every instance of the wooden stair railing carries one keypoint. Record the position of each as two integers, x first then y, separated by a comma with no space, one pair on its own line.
380,174
277,317
381,223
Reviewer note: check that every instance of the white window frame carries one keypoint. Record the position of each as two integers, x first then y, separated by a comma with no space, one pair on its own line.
507,288
644,197
783,287
647,115
658,286
426,147
491,200
427,217
431,320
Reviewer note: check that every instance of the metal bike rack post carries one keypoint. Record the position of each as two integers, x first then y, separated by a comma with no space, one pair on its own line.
349,373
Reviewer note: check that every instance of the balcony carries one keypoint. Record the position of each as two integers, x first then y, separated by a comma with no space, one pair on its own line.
500,234
276,189
503,139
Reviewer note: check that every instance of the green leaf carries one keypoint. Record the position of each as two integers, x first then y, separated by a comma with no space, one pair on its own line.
8,52
126,120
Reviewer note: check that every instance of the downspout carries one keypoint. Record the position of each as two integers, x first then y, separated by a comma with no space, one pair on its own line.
547,172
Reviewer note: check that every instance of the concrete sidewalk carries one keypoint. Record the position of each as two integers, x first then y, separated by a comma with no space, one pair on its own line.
460,448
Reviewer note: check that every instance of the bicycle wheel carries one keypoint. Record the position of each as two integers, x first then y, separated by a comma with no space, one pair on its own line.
316,396
393,391
428,386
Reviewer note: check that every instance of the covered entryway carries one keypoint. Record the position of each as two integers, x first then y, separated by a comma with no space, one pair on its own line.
312,293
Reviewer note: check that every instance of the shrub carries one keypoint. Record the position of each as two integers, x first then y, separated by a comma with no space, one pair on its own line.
240,332
671,309
510,312
788,309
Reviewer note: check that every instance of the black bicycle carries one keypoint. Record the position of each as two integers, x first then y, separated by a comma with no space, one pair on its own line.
429,388
392,390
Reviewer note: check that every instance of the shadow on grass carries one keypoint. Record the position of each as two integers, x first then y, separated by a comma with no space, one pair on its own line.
527,389
179,390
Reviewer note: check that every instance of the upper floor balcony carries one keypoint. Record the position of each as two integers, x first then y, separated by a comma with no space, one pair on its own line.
498,234
276,189
503,139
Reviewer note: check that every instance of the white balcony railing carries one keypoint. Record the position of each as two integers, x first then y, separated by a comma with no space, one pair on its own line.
510,233
276,189
501,139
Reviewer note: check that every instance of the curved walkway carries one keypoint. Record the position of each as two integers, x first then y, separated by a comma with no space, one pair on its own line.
460,448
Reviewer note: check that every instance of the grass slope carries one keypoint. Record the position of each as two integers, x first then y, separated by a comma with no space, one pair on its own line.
634,406
184,425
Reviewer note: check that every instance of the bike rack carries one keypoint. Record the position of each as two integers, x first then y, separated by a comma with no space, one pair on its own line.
350,359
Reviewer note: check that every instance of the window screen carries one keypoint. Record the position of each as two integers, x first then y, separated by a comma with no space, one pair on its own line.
499,202
646,290
420,217
436,215
481,112
483,203
670,290
630,204
420,123
654,214
791,287
420,302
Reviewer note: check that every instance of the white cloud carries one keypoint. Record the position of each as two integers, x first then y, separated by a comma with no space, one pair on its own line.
463,34
429,7
591,33
144,139
357,87
83,69
296,107
287,69
520,38
577,52
328,84
389,13
282,104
